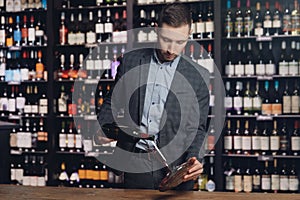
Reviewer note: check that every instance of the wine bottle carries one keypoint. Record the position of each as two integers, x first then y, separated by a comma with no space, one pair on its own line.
99,27
287,24
209,23
293,64
295,19
269,61
62,137
284,180
275,180
284,144
248,100
248,20
247,179
200,25
238,99
17,32
277,103
246,140
31,31
265,141
257,101
249,66
238,180
287,100
229,176
256,179
91,34
283,62
63,176
239,24
293,180
274,139
295,139
229,68
295,100
63,30
258,21
228,102
267,19
260,68
237,139
228,139
108,26
266,179
277,19
266,107
239,68
256,141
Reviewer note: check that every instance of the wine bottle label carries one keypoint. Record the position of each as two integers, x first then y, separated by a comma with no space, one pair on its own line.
266,108
265,144
152,36
41,181
246,143
17,5
237,142
259,31
78,141
17,35
256,143
31,34
265,182
90,37
249,69
90,64
293,68
293,183
209,26
142,36
35,109
295,104
39,33
287,104
89,174
256,181
248,24
12,105
27,109
257,103
2,37
43,109
26,180
239,70
238,183
295,143
228,142
284,182
270,69
24,74
260,69
13,140
208,64
2,69
268,22
27,143
12,174
229,183
238,25
276,22
33,180
108,28
248,103
238,103
71,38
82,174
71,142
98,64
275,182
200,27
19,175
62,105
229,70
228,103
283,68
87,145
80,38
20,102
99,28
274,143
96,175
62,140
106,64
247,183
276,108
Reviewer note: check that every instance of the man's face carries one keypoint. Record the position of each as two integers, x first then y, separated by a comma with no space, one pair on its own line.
171,41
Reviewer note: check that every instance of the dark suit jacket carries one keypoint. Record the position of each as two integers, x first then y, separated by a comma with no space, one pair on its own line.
183,126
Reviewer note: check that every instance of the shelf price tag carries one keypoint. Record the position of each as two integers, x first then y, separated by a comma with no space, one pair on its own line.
265,158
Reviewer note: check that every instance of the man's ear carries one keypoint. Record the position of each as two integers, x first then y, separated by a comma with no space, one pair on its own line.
191,31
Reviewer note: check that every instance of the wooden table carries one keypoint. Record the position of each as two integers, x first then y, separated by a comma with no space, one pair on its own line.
12,192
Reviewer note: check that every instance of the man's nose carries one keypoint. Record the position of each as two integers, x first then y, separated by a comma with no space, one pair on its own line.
171,48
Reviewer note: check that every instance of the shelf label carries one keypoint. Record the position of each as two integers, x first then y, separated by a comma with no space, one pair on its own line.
265,158
264,38
264,118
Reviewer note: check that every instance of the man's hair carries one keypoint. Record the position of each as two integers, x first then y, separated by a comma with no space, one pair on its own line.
175,15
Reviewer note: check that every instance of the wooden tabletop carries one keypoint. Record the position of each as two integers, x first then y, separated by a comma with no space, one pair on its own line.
12,192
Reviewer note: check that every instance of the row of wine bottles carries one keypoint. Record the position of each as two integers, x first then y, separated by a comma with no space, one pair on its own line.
32,171
90,173
74,4
262,140
30,137
22,31
271,22
19,66
248,60
84,102
262,98
92,31
20,5
23,101
256,178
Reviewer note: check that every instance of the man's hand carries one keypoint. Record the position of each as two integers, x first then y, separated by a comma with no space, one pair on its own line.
194,171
